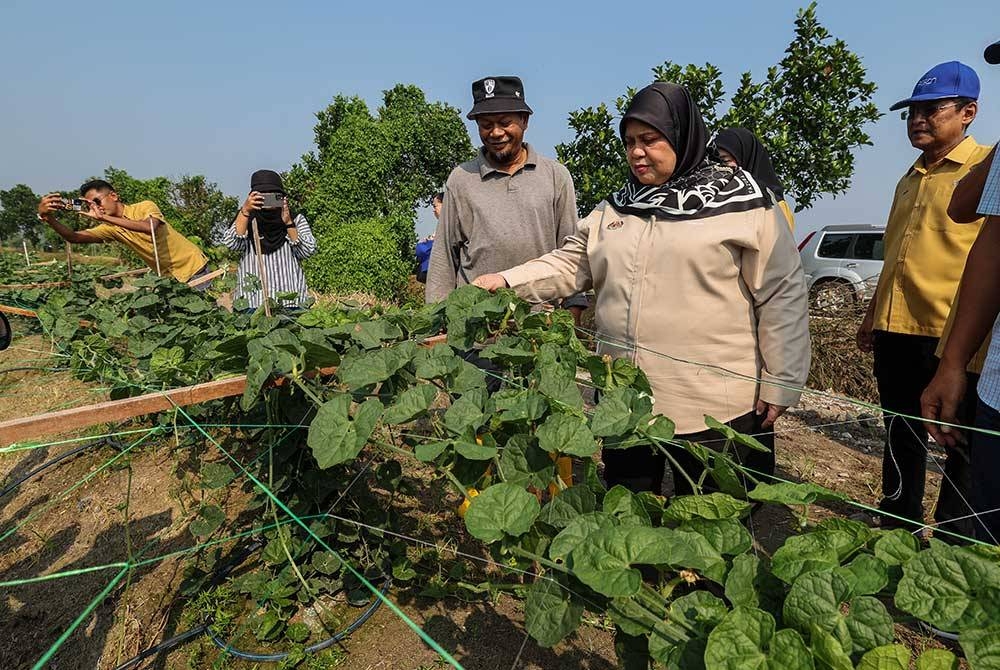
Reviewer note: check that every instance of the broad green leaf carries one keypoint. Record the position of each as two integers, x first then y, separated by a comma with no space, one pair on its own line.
437,363
566,434
428,451
411,403
576,531
468,378
735,436
297,632
334,438
818,599
729,537
866,574
326,562
828,652
360,369
660,428
896,547
568,505
886,657
467,413
680,640
787,493
216,475
708,506
210,517
560,388
952,588
817,550
371,334
939,659
523,464
550,614
166,359
981,647
746,640
604,560
319,353
618,412
625,506
750,584
474,451
859,531
520,406
501,509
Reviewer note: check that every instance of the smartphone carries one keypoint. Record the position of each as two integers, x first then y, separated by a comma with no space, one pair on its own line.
75,205
273,201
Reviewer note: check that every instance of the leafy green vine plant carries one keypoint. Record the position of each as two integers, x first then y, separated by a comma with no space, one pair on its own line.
680,579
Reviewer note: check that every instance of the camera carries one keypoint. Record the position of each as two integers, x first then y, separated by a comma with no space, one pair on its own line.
273,201
75,205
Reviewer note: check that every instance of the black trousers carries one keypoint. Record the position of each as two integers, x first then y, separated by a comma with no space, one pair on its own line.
904,366
642,468
985,468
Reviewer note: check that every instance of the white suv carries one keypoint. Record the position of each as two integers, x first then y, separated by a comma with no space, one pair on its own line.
842,265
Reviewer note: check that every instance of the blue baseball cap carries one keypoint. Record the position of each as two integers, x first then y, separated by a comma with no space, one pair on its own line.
947,80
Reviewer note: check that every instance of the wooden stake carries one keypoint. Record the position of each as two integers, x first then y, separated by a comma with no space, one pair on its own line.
156,251
27,259
69,261
261,270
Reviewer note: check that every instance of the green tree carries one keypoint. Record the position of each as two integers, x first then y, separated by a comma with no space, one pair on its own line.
368,167
810,111
17,217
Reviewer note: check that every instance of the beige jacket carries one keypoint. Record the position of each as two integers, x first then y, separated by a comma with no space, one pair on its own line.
705,307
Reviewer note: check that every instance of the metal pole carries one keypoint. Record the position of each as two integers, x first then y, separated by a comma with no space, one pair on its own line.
261,270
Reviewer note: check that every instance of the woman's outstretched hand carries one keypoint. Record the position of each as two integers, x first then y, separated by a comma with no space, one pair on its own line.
490,282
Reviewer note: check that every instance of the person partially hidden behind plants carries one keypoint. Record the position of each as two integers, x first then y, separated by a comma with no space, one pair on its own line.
140,227
285,241
698,282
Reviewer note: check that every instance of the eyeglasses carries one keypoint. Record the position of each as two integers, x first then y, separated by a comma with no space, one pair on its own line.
926,111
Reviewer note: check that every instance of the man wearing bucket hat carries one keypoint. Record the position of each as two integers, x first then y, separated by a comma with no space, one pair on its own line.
506,206
925,252
976,311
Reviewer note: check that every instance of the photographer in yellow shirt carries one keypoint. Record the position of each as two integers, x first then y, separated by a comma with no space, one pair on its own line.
140,227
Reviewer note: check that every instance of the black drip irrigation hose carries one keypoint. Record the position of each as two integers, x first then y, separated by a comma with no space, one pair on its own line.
205,628
10,488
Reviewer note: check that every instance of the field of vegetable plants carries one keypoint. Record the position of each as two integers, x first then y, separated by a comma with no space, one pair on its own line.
300,518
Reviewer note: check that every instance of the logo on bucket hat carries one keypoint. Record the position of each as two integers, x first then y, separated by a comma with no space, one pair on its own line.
496,95
945,80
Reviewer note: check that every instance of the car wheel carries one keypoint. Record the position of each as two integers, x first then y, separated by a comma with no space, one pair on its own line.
831,298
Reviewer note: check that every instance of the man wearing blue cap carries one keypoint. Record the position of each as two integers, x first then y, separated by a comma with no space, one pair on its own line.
925,252
977,308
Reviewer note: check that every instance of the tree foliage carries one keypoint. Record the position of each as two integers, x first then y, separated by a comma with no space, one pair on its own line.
368,167
810,111
17,217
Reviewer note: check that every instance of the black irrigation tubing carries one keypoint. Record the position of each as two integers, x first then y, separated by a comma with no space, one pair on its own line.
205,628
10,488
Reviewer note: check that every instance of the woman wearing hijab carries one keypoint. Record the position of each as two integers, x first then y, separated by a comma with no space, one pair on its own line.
738,147
285,242
698,282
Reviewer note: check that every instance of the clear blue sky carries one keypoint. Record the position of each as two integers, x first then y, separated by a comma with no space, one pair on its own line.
223,88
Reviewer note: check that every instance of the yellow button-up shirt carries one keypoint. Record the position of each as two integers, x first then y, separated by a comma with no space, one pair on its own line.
925,250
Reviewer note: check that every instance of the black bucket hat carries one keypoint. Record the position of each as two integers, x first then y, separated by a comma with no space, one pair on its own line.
992,54
497,95
5,332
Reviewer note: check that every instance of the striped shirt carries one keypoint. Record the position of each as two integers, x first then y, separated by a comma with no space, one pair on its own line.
989,381
283,267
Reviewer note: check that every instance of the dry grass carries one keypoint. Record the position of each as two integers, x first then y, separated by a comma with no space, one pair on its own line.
837,363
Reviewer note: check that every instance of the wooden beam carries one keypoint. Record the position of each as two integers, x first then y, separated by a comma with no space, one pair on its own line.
126,273
204,279
51,423
47,284
17,311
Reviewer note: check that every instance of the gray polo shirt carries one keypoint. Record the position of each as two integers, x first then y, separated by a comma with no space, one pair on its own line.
491,221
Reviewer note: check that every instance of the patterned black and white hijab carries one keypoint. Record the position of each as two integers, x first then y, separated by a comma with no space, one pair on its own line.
701,185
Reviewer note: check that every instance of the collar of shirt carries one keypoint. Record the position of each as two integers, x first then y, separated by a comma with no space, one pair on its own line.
486,169
960,154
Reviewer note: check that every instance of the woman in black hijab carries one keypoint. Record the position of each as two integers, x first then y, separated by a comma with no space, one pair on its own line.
738,147
285,242
697,281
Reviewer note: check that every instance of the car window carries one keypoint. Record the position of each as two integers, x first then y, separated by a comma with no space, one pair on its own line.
869,247
834,245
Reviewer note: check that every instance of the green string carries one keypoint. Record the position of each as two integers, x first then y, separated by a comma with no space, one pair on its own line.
360,577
